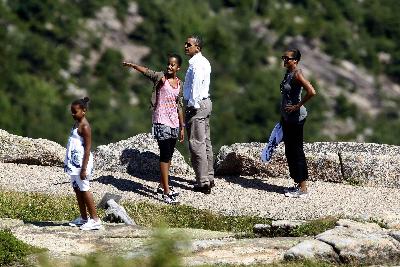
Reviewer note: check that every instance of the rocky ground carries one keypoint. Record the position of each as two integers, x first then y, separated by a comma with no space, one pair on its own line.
232,195
129,168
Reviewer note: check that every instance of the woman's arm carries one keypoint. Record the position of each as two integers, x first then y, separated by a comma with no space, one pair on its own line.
87,144
310,92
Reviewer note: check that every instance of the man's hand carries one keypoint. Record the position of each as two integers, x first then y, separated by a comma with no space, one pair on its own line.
182,135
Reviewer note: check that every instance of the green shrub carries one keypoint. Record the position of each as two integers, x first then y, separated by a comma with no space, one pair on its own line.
182,216
12,249
314,227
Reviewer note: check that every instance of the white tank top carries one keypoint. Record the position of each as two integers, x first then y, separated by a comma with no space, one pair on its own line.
74,155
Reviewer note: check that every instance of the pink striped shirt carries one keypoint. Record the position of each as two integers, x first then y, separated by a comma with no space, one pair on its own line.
166,111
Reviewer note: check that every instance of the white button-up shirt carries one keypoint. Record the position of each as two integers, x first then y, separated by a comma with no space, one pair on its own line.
197,80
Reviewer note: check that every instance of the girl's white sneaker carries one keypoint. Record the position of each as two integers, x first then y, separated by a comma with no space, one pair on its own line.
78,222
91,225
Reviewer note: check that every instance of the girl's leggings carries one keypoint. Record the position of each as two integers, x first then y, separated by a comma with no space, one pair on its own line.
167,147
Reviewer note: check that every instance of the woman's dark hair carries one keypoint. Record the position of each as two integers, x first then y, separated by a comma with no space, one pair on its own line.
178,58
83,102
296,54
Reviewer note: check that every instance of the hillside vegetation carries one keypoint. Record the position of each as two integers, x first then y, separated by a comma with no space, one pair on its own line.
39,38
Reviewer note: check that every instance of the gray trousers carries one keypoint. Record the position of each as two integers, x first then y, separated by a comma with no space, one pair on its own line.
198,131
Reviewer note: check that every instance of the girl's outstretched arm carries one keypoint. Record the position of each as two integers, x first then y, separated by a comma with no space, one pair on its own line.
137,67
87,143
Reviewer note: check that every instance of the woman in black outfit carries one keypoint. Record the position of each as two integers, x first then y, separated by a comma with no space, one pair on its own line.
293,117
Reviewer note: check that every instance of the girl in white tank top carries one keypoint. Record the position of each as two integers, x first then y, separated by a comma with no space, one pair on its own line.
79,165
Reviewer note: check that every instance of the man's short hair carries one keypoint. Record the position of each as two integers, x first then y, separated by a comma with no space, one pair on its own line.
198,40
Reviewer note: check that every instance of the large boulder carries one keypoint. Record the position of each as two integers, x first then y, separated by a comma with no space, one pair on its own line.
139,156
351,242
312,250
17,149
355,163
362,243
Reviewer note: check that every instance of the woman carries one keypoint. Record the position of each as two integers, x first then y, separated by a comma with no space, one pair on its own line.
293,117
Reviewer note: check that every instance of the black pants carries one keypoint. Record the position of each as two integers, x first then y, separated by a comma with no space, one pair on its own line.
293,139
166,147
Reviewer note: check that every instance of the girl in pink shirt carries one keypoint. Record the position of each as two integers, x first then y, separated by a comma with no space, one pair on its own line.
167,117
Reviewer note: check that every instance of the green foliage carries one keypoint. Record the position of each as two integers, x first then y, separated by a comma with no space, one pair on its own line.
13,250
42,207
344,108
37,207
182,216
166,249
39,37
314,227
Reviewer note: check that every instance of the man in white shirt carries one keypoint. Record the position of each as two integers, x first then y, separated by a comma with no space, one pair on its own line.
198,108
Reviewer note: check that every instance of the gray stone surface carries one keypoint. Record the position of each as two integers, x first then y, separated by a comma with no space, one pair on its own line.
262,229
362,243
137,155
287,224
17,149
355,163
312,250
65,243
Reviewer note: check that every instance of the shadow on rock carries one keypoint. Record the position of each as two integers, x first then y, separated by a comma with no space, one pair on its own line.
47,224
146,166
127,185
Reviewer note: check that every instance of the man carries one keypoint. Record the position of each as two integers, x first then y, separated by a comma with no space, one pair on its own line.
197,114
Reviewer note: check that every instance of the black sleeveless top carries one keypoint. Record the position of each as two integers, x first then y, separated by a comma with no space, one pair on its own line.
291,95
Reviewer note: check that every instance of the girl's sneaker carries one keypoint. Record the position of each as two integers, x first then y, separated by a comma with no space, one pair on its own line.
170,199
78,222
172,191
91,225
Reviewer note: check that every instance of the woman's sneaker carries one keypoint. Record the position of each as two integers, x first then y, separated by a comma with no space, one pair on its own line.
172,191
291,189
296,194
169,199
78,222
91,225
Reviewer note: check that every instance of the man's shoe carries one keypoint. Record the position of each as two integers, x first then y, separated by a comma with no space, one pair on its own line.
205,189
212,184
